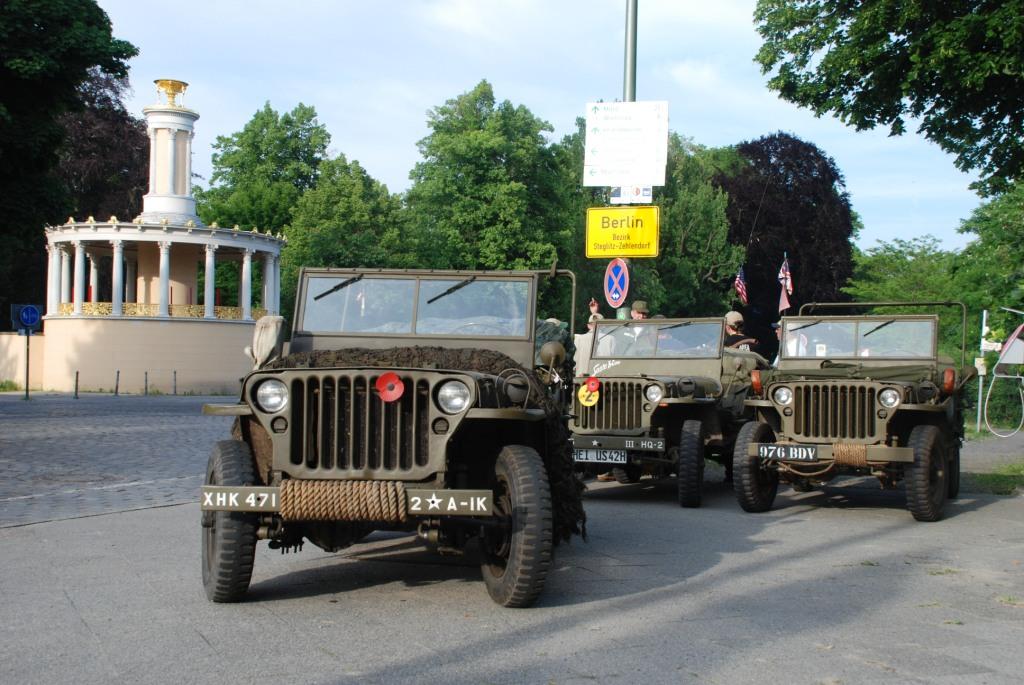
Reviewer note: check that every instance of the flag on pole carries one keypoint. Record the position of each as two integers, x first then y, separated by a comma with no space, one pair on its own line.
786,281
740,284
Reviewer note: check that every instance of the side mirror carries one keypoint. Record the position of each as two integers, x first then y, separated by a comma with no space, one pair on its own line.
552,353
266,341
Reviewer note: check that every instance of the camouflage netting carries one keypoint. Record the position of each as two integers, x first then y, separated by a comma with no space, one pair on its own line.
566,489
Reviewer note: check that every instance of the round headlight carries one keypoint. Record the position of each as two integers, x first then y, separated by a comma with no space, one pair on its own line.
654,393
889,398
782,395
272,395
453,397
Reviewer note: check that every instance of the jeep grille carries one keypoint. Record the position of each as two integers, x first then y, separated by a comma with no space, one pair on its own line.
826,410
619,407
341,428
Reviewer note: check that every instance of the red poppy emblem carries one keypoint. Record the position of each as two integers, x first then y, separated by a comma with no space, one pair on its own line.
390,386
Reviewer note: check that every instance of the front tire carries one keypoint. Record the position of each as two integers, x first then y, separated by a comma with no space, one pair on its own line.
755,486
927,478
690,468
229,537
517,559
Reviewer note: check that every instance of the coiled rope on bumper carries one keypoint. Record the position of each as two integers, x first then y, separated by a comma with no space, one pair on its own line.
343,500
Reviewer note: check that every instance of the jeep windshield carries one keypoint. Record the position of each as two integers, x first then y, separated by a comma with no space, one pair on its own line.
876,337
471,307
657,339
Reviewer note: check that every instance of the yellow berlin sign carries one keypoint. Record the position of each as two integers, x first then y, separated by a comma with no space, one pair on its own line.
622,232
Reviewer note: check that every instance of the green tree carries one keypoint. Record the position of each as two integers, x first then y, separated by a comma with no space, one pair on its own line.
892,271
787,197
260,172
349,219
956,65
486,193
47,49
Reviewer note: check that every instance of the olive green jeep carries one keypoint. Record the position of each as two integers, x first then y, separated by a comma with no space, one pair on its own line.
856,395
408,401
660,396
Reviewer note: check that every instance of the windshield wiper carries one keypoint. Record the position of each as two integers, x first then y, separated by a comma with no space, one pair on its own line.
881,325
676,325
806,325
449,291
613,328
340,286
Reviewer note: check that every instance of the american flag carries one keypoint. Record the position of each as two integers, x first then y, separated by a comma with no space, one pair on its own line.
741,286
786,281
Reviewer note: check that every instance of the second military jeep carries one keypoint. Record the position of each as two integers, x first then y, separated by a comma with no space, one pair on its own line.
660,396
856,395
409,401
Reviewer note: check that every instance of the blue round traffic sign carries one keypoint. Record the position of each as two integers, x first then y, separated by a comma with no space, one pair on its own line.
616,282
29,315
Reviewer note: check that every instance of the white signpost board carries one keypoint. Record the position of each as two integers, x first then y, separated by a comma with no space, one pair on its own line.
626,144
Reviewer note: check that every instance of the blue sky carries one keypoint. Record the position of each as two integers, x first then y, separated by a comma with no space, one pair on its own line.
373,70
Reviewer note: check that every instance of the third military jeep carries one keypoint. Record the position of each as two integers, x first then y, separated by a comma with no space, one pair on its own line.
660,396
856,395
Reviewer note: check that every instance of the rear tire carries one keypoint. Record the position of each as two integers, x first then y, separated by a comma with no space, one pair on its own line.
229,537
626,474
690,467
517,560
953,473
755,487
927,483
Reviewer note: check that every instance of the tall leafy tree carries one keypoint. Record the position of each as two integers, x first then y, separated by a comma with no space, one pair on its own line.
956,65
788,198
104,162
47,48
486,193
260,172
348,219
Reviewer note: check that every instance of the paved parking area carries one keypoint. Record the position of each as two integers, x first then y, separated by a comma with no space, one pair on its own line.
65,458
833,586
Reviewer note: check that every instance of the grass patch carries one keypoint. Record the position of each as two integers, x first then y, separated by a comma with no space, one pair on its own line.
1011,601
1004,480
943,572
9,386
869,563
954,622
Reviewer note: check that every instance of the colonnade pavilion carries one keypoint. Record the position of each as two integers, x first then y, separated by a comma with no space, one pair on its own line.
154,332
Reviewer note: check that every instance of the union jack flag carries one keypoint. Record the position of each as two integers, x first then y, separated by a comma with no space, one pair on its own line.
786,281
740,284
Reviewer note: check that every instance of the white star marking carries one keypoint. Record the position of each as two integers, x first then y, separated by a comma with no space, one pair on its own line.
596,443
433,502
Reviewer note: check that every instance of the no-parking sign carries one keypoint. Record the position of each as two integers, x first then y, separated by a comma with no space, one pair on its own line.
616,282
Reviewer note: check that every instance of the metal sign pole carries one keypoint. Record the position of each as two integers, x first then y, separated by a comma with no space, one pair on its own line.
28,337
981,379
629,78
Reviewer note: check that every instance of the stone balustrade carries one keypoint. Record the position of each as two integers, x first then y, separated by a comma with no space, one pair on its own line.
131,309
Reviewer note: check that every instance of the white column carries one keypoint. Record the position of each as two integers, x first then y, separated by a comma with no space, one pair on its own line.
51,273
65,274
275,299
94,277
210,291
165,280
188,164
245,290
117,279
171,160
131,280
152,162
79,276
268,281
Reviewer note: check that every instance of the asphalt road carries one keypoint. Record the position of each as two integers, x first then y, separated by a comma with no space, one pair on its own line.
99,580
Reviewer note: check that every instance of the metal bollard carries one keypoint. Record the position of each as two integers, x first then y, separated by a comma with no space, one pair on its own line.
76,385
145,383
117,382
